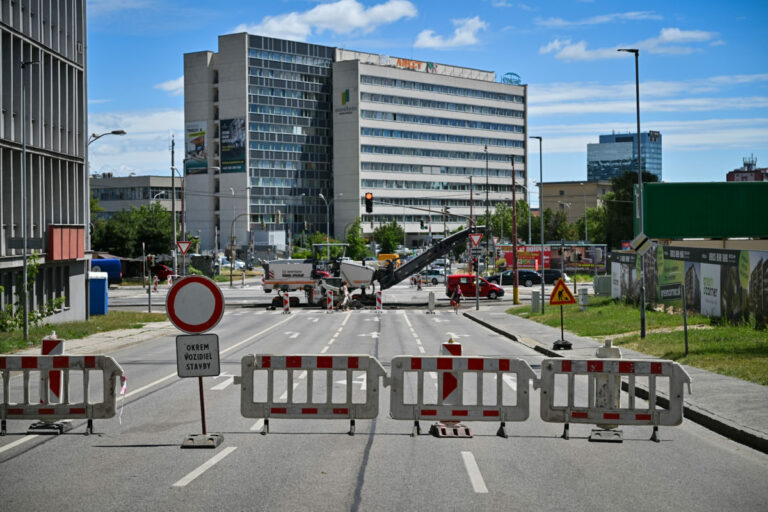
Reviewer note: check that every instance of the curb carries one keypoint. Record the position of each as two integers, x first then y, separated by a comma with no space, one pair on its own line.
740,434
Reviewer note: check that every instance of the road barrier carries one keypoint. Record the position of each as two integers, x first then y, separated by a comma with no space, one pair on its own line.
286,303
329,301
379,302
501,392
80,407
312,386
584,405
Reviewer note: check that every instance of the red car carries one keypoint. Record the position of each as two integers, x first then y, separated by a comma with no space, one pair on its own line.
162,272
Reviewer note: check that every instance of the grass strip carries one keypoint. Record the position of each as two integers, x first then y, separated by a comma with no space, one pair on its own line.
14,340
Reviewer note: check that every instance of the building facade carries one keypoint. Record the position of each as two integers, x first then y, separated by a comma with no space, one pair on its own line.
44,199
616,154
323,126
749,172
123,193
574,197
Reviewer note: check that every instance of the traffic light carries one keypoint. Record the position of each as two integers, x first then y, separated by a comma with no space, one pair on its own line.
422,224
368,202
149,259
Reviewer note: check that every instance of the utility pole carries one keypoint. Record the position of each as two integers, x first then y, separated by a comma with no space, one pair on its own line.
487,215
516,289
173,203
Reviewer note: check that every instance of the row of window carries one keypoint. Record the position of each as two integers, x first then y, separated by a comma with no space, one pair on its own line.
442,169
289,129
432,185
134,193
291,148
439,121
287,111
286,75
277,92
286,57
439,137
440,105
440,89
433,153
427,203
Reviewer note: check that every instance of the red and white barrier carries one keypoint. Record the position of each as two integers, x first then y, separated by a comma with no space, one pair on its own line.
294,390
379,302
69,407
156,281
409,379
588,409
286,303
51,346
329,301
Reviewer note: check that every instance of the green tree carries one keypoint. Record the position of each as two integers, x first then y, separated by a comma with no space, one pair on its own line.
357,249
619,202
123,233
389,236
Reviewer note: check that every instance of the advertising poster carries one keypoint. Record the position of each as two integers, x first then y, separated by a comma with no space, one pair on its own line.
233,142
671,278
528,256
710,289
196,158
615,280
756,291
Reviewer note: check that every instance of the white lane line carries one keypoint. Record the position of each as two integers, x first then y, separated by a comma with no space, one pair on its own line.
205,466
421,349
346,319
336,335
332,340
223,385
325,349
11,446
474,473
257,426
233,347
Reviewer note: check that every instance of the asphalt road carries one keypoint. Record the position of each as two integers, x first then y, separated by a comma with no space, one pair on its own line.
135,462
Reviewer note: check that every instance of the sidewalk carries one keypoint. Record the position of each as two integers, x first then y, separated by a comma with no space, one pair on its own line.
732,407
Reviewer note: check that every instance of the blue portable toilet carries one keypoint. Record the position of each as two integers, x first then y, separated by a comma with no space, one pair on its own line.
99,287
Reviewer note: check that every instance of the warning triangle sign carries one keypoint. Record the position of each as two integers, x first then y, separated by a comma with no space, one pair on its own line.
475,238
561,294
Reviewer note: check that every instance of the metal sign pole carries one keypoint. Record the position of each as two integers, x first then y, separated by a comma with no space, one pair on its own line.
685,319
562,336
202,403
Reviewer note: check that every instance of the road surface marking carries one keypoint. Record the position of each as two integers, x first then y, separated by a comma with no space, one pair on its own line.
205,466
16,443
332,340
325,349
421,349
346,319
474,473
257,426
223,385
292,335
233,347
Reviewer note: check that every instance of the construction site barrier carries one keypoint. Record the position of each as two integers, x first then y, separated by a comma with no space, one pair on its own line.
599,400
444,399
42,407
312,387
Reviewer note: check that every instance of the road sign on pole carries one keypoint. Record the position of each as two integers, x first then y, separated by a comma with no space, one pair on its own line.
195,304
183,246
197,355
561,294
475,238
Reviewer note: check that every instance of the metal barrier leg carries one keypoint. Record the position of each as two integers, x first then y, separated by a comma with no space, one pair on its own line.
502,432
416,429
351,427
265,430
655,436
566,435
89,428
3,430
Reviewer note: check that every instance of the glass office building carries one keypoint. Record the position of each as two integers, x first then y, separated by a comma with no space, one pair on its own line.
616,154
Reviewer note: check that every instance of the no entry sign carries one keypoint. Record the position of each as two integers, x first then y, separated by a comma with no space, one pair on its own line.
195,304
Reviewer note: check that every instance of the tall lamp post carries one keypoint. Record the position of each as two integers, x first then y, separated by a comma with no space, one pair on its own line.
584,196
541,216
516,289
487,215
327,224
24,64
639,185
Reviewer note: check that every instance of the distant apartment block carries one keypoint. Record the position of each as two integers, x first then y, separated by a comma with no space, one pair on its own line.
616,154
749,172
124,193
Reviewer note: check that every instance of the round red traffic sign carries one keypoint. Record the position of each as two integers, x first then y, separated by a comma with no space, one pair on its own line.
195,304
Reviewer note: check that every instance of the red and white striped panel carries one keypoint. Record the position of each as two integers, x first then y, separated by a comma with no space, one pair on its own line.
312,362
18,363
612,371
460,411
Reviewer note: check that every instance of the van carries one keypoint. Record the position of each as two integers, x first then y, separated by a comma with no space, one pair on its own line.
112,266
467,284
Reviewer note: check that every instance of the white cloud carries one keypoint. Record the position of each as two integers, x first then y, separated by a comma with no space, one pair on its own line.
145,149
341,17
99,7
670,41
175,87
597,20
465,34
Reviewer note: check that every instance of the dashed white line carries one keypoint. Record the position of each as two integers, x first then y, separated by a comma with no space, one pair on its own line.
421,349
325,349
474,473
257,426
205,467
16,443
223,385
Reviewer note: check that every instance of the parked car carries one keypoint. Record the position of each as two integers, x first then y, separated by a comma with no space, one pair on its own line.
526,277
433,275
551,276
467,284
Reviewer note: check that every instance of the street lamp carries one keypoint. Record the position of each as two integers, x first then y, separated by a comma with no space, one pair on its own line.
584,196
327,224
639,185
24,64
516,288
94,137
162,193
487,215
541,216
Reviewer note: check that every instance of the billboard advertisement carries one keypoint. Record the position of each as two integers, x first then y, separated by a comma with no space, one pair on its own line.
195,155
573,258
233,141
725,283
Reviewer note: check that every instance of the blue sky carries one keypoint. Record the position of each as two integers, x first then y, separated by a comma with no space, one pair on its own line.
703,68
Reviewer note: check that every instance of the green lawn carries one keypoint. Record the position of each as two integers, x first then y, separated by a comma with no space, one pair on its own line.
12,341
735,351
